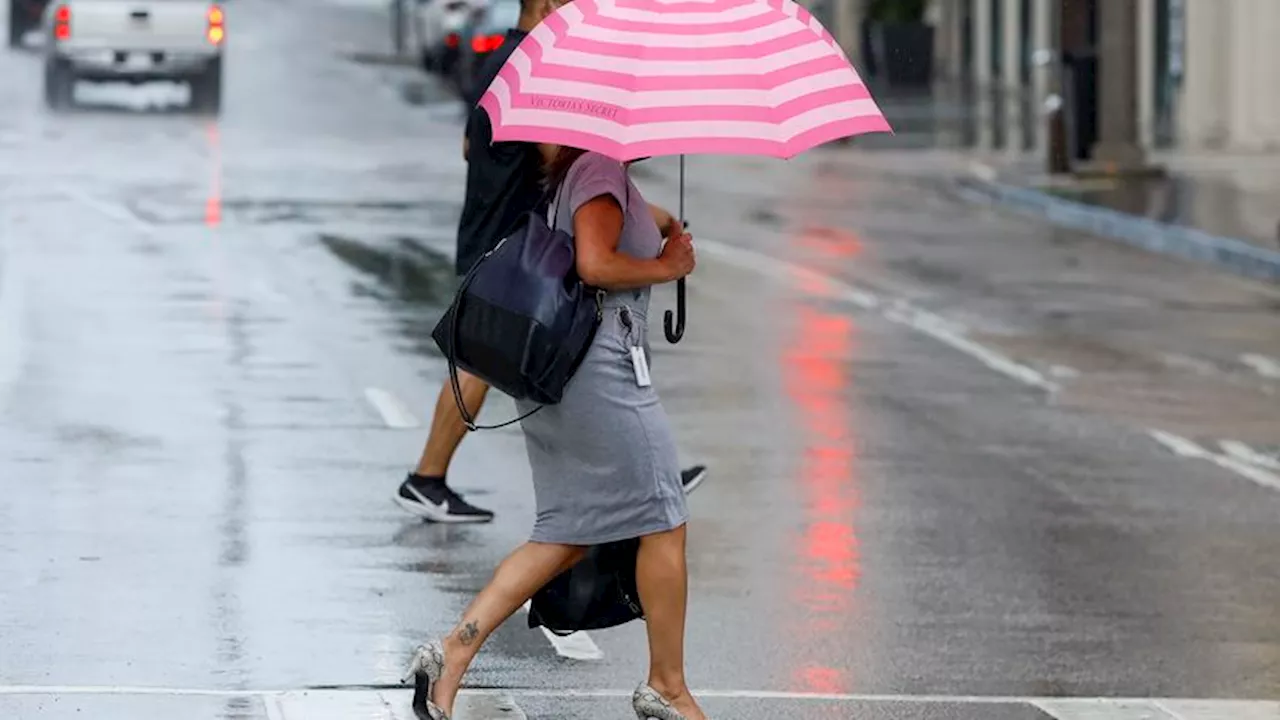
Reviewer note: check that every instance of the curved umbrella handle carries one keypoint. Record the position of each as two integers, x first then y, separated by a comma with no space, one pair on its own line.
675,333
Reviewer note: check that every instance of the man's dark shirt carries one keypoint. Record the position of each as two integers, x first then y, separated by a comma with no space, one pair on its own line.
503,179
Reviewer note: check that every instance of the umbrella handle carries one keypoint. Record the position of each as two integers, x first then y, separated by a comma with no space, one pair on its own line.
675,333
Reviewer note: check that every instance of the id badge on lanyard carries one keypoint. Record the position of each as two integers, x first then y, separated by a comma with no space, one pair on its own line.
640,364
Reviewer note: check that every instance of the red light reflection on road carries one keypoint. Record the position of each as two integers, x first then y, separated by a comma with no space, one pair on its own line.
829,241
213,203
827,559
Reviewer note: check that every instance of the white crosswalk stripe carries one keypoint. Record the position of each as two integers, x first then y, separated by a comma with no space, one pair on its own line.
381,705
493,704
1082,709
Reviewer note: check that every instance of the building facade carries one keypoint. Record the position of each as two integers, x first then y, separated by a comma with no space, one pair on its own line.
1206,69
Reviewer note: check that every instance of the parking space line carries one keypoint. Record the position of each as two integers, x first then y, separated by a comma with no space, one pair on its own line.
578,646
394,413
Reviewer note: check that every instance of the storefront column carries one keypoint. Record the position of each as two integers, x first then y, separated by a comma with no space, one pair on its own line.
848,28
1204,110
1147,73
1011,78
948,63
1117,147
1043,43
983,37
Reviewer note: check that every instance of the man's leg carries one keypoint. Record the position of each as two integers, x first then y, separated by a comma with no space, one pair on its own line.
447,427
425,492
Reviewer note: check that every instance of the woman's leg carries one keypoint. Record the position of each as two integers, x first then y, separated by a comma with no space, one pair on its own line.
517,578
662,579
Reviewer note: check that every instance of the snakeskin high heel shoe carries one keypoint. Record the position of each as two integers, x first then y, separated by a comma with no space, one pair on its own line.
650,705
425,669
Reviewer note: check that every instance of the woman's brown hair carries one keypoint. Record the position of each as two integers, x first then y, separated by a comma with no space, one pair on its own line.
555,171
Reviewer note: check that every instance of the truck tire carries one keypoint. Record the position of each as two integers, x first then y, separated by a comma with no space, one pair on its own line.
17,28
206,89
397,27
59,84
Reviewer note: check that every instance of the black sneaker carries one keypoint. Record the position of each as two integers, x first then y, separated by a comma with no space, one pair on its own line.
692,477
432,499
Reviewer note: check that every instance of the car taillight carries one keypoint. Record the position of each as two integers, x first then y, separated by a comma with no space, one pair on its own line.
451,40
217,31
62,22
486,43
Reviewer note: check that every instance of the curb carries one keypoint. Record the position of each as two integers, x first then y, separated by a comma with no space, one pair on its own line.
1232,254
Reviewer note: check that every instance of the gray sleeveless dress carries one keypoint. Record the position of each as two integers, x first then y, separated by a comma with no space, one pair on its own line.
604,460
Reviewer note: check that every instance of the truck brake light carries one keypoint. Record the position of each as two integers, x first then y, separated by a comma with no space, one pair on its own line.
217,31
62,23
486,43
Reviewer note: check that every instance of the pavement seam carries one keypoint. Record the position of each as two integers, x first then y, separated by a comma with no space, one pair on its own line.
1228,253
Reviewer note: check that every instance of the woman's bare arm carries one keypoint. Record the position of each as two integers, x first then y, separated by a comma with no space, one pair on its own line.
597,228
665,220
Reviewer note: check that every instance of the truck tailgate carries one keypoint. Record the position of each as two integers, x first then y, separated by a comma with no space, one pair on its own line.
140,25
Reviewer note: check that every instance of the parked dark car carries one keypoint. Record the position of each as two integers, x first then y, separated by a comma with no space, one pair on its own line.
484,34
24,16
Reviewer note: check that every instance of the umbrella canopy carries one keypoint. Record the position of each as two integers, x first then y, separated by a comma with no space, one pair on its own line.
639,78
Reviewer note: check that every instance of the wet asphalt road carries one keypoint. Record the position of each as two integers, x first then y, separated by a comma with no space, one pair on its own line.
961,461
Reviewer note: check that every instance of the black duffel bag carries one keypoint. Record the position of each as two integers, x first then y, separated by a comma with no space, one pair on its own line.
599,592
522,320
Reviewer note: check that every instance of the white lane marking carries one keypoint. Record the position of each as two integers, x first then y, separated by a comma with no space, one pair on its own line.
983,171
1186,448
334,705
789,272
1241,451
1263,365
1186,362
271,704
394,413
1063,371
578,646
1068,709
111,210
1186,708
269,292
935,327
898,311
1220,709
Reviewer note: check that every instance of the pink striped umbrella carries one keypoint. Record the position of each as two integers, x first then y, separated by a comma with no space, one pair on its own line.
639,78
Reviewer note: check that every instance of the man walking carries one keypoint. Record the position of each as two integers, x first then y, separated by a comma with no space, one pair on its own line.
503,183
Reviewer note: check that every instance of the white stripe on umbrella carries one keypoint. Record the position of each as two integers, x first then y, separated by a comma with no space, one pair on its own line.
685,98
585,74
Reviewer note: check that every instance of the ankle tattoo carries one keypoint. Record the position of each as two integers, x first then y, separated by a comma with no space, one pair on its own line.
467,632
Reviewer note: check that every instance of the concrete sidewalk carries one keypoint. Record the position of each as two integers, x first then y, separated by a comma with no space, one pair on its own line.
1210,212
1218,208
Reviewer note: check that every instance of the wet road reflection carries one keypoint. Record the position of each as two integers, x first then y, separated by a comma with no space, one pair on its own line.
415,282
196,486
816,363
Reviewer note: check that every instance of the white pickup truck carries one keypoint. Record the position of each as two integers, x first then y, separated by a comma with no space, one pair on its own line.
135,41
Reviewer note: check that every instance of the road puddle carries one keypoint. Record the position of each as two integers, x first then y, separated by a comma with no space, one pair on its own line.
414,281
